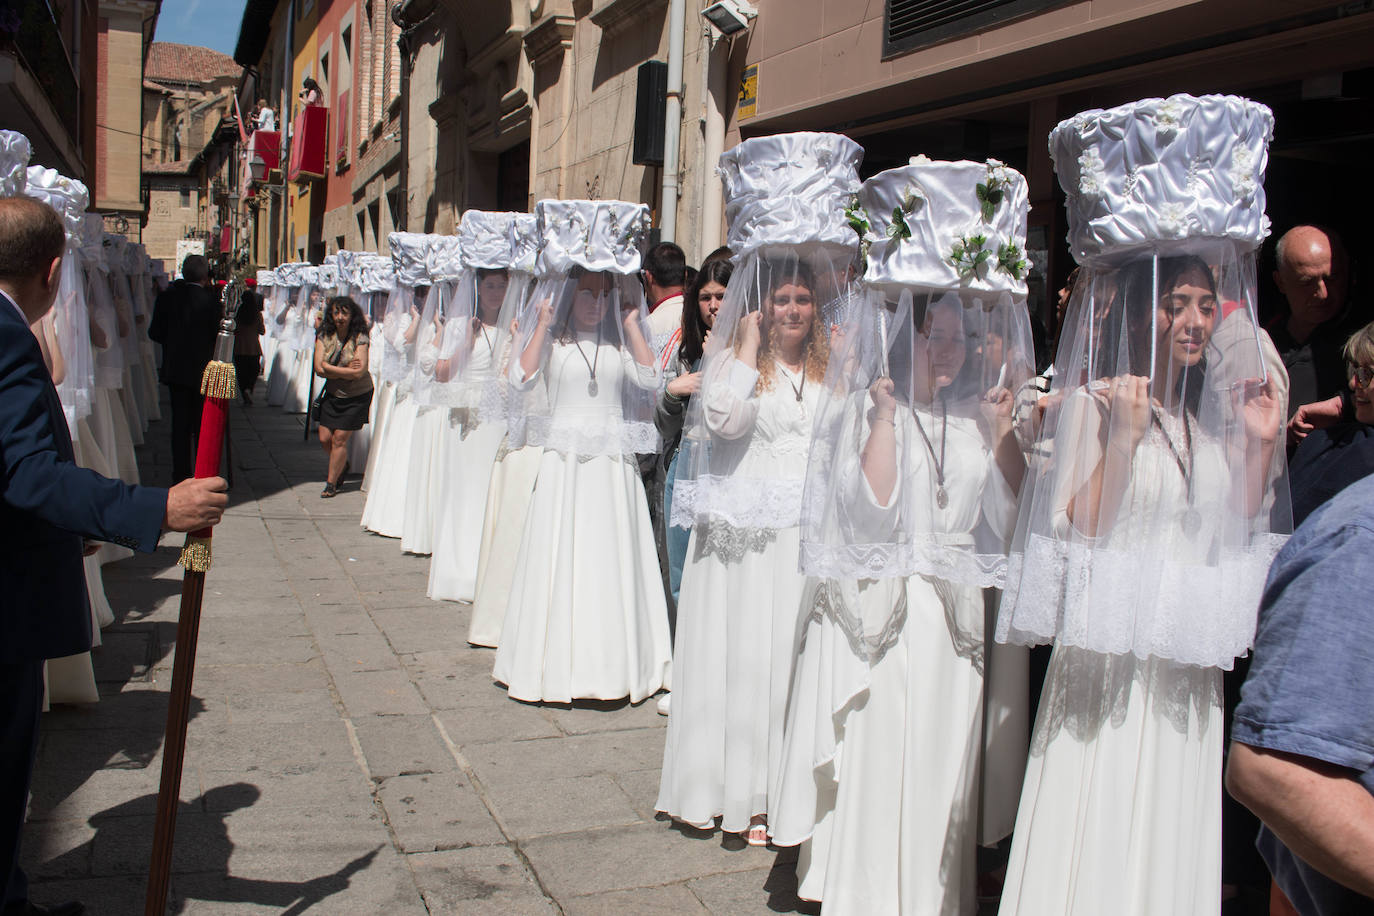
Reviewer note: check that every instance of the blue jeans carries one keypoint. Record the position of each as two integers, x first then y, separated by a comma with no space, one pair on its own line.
677,538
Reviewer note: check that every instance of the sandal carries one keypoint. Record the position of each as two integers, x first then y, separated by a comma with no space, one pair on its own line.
756,835
330,491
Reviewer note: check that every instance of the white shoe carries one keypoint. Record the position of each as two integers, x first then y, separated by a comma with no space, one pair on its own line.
663,704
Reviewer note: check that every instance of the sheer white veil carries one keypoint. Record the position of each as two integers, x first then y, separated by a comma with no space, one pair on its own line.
946,339
1150,527
786,199
69,318
587,297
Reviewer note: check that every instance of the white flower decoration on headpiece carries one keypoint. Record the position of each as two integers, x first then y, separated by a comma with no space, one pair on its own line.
1174,217
1092,173
1168,119
1243,180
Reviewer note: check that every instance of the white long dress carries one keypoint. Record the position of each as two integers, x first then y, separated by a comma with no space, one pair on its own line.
508,500
880,771
283,366
738,612
465,475
1121,807
587,617
360,445
384,509
432,435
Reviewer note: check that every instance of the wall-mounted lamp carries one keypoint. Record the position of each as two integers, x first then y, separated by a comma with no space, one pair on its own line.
730,17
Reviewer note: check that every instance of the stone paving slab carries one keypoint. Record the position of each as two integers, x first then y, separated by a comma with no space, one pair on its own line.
348,752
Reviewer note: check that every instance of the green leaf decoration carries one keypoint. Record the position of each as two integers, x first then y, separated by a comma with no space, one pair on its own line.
1011,262
857,218
899,228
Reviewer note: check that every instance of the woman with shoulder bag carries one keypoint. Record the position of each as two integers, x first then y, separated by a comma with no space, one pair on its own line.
341,360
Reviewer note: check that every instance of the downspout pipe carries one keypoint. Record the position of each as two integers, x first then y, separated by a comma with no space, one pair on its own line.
672,129
712,141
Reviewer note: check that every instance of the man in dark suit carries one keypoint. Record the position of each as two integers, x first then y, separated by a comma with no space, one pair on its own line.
47,506
185,321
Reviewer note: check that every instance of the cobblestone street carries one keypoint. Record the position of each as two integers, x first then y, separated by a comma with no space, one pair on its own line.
348,751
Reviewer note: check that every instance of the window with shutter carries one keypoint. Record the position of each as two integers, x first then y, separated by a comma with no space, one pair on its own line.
913,24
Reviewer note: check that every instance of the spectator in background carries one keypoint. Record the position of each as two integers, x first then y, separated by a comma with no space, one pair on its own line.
1331,459
1313,273
310,93
185,321
248,330
264,118
1302,752
665,278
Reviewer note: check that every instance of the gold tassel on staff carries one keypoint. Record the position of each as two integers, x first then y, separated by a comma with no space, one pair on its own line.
195,556
219,381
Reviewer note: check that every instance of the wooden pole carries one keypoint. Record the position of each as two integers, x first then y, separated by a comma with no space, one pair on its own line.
174,748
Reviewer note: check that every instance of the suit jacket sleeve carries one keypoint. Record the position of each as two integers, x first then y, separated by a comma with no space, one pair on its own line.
36,473
157,328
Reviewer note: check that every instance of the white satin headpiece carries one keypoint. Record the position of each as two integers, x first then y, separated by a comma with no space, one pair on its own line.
14,162
790,189
593,234
947,225
1161,170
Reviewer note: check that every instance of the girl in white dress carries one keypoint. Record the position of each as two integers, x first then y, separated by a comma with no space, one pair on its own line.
910,496
587,617
745,446
284,323
474,350
1144,540
384,511
514,469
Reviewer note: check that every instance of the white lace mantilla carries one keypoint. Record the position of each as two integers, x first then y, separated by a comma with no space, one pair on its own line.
949,557
1097,599
744,502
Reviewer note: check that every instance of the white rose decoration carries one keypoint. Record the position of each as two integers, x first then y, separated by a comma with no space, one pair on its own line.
1242,175
1173,220
1092,173
1168,119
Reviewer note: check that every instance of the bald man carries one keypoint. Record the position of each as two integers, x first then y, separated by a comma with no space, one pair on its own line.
48,505
1313,273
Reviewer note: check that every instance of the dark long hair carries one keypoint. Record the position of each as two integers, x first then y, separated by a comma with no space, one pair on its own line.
715,269
1139,294
357,321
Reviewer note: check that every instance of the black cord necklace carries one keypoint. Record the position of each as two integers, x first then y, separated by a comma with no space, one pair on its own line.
592,386
795,390
1191,519
941,496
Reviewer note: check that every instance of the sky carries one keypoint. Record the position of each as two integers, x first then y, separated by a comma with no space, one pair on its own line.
210,23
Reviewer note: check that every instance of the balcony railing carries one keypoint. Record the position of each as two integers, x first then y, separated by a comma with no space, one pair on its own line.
38,41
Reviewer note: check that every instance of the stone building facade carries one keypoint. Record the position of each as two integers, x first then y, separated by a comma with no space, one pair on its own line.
187,93
124,30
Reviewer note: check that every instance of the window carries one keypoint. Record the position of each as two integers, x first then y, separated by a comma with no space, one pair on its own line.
346,43
912,24
185,197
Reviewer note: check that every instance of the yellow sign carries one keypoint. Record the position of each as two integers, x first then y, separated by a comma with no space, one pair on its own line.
748,104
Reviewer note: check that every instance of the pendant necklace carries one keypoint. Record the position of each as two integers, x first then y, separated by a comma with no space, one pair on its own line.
1191,518
941,497
592,386
491,348
795,390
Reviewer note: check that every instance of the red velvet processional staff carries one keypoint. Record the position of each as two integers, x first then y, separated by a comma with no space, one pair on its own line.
219,387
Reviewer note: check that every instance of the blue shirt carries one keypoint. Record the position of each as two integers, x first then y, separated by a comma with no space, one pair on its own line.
1310,690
